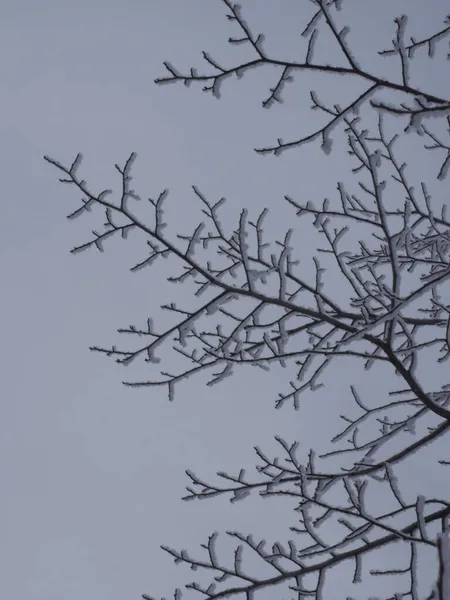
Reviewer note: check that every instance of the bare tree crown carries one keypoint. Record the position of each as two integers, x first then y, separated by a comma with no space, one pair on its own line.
255,307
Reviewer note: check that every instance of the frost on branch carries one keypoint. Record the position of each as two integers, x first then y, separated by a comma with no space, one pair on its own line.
378,296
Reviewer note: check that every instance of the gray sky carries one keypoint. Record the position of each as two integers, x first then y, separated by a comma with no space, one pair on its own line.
91,472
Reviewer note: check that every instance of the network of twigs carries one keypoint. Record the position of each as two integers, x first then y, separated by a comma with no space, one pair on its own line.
265,311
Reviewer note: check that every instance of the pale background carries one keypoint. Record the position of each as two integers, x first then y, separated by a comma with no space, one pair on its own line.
91,473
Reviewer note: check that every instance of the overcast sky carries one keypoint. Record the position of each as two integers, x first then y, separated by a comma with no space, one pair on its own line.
91,472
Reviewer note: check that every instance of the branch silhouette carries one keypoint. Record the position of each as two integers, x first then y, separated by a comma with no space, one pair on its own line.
254,306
